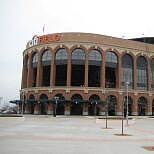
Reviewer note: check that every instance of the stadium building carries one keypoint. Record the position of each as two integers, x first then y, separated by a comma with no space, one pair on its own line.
87,74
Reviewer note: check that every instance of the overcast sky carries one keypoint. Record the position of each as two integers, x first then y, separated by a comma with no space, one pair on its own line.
20,20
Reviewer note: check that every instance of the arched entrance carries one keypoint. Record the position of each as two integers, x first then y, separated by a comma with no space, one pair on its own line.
31,104
60,104
93,108
112,102
130,102
153,107
142,106
43,103
76,105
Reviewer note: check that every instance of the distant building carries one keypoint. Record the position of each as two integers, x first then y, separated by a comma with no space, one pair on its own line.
77,73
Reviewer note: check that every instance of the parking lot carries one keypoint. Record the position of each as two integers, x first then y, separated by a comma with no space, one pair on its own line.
75,135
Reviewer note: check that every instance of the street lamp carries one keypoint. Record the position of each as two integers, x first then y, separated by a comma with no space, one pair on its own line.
127,83
22,101
0,101
95,108
106,110
56,101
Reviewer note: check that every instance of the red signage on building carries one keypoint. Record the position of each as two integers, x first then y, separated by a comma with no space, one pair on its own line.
44,39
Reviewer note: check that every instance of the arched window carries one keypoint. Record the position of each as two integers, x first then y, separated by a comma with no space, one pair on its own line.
78,67
61,56
46,58
78,56
142,73
127,71
152,74
46,67
94,70
34,65
61,67
111,69
35,59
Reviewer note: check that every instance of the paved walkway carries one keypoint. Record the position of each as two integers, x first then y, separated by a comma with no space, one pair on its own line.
74,135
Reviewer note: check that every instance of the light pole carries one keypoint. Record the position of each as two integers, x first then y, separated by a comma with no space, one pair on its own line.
95,108
127,102
122,125
56,101
106,110
22,101
0,101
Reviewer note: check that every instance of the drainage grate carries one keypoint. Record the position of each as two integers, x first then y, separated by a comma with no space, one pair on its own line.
149,148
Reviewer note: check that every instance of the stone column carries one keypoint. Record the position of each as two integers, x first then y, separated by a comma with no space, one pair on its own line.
103,72
69,71
67,108
120,105
37,108
52,72
39,72
30,70
135,105
49,109
27,108
85,108
135,74
118,80
86,72
149,107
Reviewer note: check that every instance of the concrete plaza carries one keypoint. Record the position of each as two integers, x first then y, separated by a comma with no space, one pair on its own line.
74,135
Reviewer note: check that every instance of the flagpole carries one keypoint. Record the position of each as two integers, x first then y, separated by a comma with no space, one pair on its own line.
43,28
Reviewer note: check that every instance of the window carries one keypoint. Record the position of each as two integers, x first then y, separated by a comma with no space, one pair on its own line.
61,67
35,59
111,70
94,69
152,74
127,71
46,57
142,73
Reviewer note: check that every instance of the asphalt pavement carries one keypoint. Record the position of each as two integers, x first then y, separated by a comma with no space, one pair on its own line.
75,135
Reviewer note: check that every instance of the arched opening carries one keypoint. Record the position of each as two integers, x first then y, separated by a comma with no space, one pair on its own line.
76,105
153,107
127,71
31,103
94,68
130,102
112,102
34,66
111,69
142,106
61,67
43,103
78,67
60,104
93,108
152,74
141,73
46,67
